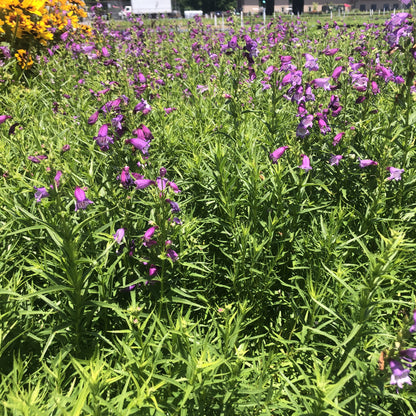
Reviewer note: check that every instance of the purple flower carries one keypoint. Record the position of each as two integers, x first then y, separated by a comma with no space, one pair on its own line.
359,81
337,72
161,183
162,172
172,254
65,148
201,88
143,106
278,153
374,87
37,159
395,173
119,235
57,178
143,183
305,123
413,327
174,187
174,205
330,52
81,200
93,118
153,270
409,354
148,237
322,83
105,52
306,163
40,193
139,144
337,138
125,178
311,62
335,159
103,139
323,123
4,118
367,162
399,375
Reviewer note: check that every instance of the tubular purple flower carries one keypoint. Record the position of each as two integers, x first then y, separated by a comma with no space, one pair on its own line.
161,183
153,270
143,183
323,123
174,205
105,52
359,81
337,72
337,138
278,153
103,139
65,148
322,83
147,134
269,70
395,173
172,254
309,95
37,159
409,353
119,235
311,62
40,193
81,200
143,106
57,178
125,178
400,375
148,237
139,144
174,187
335,159
4,118
94,117
330,52
374,88
306,164
367,162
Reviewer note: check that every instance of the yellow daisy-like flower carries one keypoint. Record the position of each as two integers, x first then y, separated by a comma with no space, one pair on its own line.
24,60
36,7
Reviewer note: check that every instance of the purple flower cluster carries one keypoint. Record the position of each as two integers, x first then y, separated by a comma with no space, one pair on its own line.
400,366
395,173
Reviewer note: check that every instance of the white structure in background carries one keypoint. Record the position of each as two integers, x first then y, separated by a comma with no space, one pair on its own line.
147,7
190,14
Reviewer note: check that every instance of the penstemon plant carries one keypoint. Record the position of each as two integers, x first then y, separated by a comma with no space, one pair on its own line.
211,220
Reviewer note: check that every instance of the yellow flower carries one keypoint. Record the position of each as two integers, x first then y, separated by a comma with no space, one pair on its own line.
24,60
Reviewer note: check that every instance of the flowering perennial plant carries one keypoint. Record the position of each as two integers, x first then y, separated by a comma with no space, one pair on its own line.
27,25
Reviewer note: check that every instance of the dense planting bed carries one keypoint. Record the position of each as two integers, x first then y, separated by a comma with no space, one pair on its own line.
205,221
